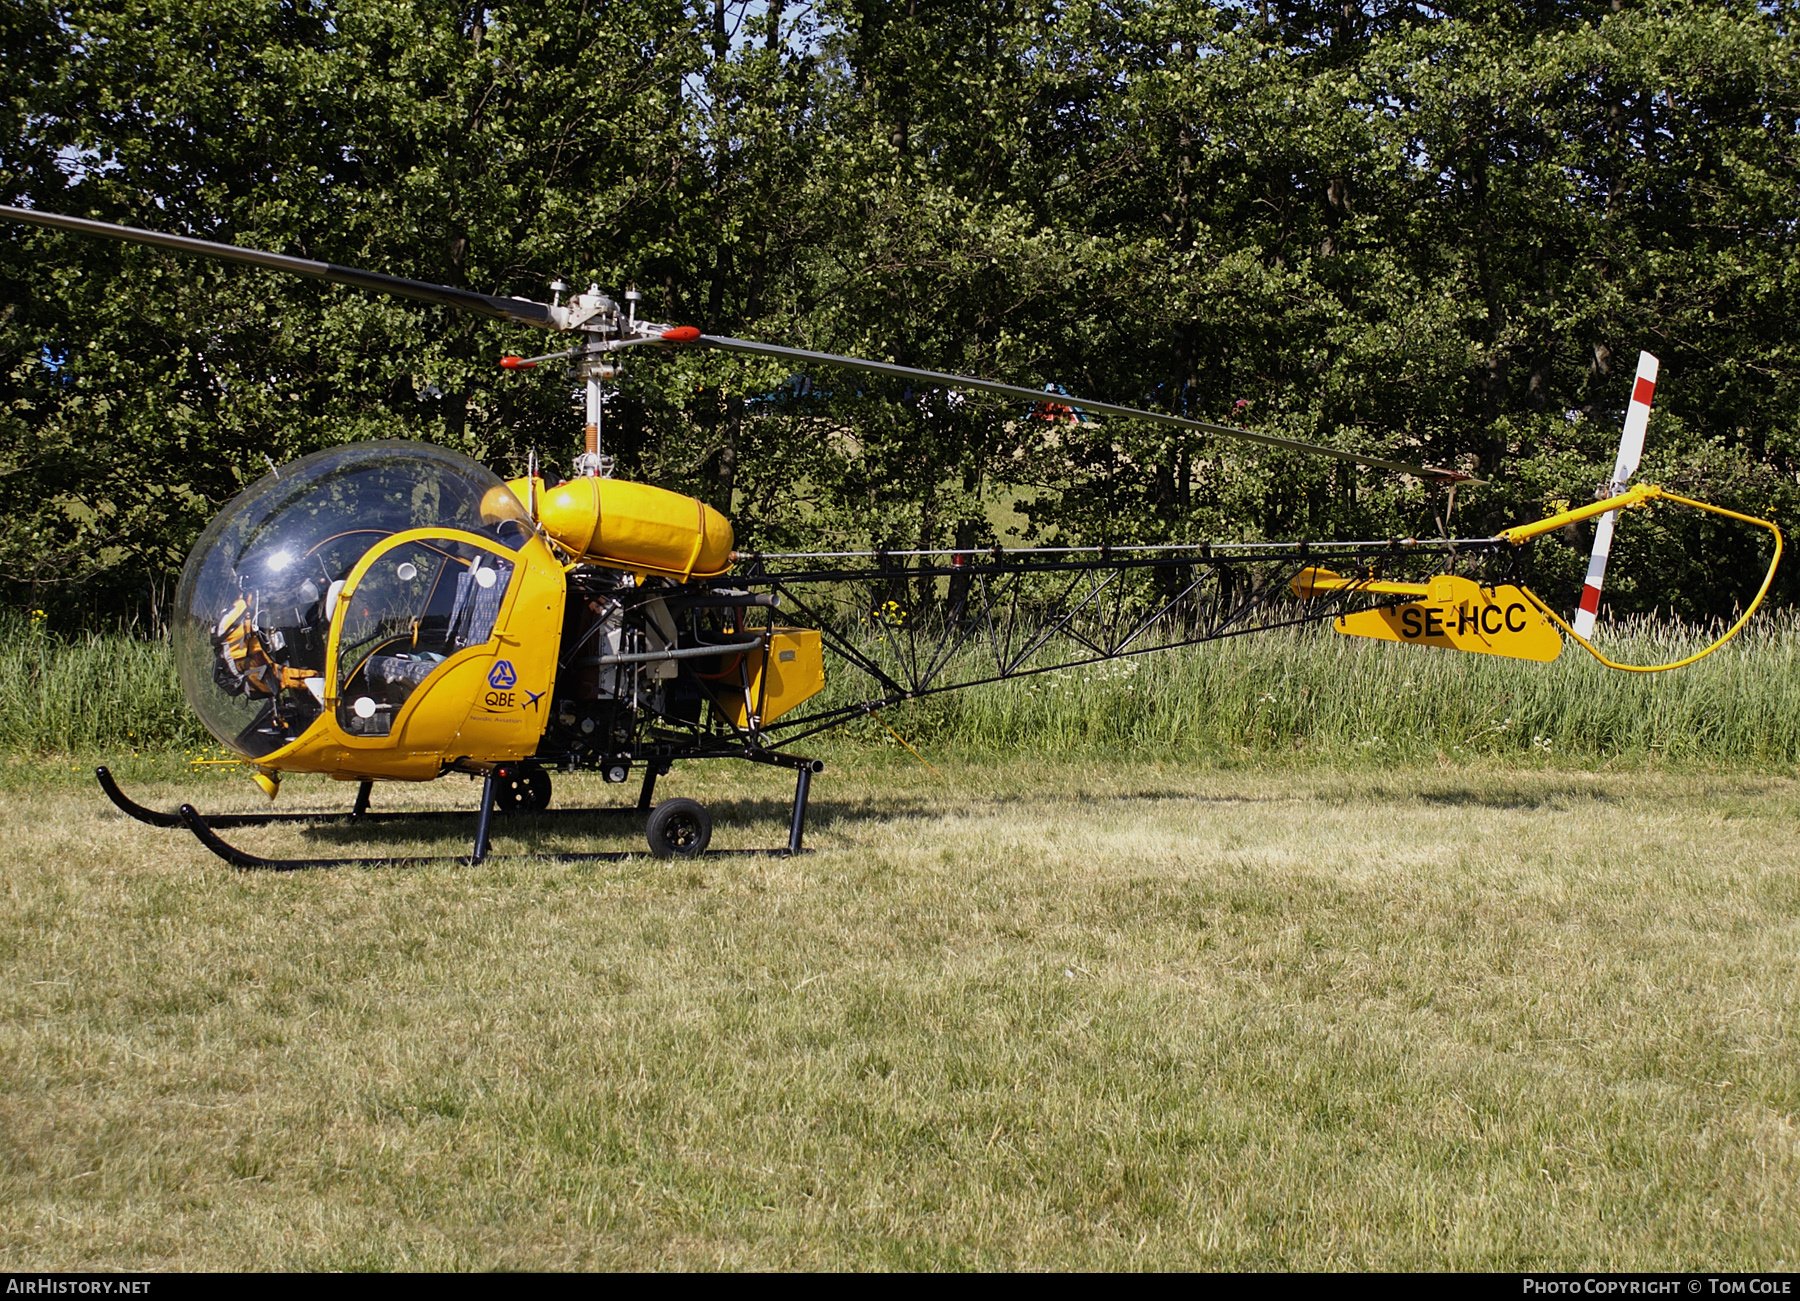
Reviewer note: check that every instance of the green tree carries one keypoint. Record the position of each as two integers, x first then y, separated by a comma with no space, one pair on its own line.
1436,234
458,147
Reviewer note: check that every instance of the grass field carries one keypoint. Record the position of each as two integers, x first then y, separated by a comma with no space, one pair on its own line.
1244,1013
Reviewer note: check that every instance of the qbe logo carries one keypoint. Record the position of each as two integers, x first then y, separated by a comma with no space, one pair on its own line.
502,677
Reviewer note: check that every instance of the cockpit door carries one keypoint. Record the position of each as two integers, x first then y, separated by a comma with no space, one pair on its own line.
444,647
415,607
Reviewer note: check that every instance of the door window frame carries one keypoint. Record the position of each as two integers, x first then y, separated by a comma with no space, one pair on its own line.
341,614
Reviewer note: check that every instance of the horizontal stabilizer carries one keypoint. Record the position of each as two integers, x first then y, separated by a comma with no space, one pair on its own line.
1458,613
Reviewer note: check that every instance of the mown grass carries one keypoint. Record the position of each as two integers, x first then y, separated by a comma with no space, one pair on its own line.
1132,1014
1301,691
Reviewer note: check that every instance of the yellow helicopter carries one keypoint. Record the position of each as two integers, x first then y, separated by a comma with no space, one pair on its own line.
393,611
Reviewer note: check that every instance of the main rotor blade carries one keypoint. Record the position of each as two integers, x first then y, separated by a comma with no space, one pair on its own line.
520,310
1428,472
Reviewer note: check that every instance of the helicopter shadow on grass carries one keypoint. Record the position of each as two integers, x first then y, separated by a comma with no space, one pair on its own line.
457,828
616,823
1158,795
1097,799
1552,797
903,808
601,826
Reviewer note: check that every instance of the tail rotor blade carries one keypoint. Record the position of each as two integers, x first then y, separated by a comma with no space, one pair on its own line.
1631,451
1596,574
1637,419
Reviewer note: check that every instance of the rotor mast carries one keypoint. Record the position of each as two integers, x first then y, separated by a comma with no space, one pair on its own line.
605,328
594,369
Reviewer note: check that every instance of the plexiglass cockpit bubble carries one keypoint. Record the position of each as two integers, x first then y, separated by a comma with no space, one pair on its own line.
256,599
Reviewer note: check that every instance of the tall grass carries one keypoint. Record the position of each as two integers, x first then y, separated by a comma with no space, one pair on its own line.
99,692
1307,690
1311,689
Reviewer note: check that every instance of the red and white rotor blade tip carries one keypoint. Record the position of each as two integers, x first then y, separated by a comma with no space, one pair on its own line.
1631,451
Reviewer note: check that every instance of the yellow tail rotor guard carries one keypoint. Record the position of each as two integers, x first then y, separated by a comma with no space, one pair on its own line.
1643,495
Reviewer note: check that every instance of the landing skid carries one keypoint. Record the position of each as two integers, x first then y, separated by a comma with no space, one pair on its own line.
359,813
256,863
203,827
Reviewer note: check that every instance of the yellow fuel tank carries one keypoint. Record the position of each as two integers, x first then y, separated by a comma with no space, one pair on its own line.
632,526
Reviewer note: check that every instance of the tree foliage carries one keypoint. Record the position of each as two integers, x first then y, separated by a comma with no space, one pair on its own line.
1433,233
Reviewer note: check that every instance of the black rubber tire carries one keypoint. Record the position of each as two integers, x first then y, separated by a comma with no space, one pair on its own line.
679,829
522,790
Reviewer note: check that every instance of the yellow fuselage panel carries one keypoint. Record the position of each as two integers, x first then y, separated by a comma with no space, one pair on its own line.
632,526
791,672
1459,614
486,704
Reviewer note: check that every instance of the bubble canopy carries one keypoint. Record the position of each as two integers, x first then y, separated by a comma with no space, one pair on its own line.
254,607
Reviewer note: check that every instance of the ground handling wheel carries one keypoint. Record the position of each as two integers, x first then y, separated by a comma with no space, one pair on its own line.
679,829
524,789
